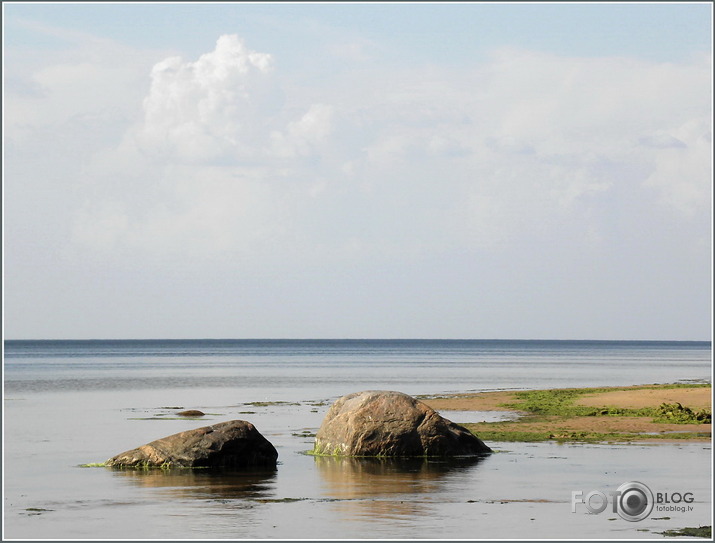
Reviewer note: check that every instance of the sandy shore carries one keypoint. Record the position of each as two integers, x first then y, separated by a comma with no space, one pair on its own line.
532,426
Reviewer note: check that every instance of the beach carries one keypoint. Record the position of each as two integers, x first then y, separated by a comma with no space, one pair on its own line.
619,414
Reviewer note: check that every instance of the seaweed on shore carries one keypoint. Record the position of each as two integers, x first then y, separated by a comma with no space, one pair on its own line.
572,436
560,402
678,414
555,414
700,531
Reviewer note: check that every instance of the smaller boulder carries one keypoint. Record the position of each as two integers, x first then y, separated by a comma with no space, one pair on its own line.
232,444
191,413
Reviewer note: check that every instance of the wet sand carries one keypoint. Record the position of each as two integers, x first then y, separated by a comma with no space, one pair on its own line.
565,427
635,398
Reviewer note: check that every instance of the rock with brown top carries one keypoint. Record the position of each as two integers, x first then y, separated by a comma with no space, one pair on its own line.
191,413
232,444
387,423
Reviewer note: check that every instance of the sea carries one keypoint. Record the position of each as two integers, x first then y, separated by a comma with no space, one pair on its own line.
67,404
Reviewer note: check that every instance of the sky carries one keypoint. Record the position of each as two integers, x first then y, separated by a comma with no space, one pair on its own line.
357,170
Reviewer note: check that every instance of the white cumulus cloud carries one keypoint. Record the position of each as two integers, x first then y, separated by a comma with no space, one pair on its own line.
522,146
210,108
301,137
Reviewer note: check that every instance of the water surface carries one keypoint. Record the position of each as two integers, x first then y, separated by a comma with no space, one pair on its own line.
69,403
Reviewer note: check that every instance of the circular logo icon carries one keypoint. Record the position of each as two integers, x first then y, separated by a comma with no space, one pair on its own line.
635,501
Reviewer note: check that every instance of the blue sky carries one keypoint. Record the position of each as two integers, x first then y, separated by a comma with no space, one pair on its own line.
412,34
483,170
661,31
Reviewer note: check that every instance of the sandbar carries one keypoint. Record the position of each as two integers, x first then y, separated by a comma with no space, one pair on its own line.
622,414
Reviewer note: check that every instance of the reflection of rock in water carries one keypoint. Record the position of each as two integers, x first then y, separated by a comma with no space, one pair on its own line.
386,488
204,483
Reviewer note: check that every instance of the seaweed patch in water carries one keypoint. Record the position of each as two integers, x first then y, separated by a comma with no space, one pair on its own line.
269,404
280,500
304,433
37,510
158,417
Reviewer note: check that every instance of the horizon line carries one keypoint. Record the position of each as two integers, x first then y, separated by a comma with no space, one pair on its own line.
360,339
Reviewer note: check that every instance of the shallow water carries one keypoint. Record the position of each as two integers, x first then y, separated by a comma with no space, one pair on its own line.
520,491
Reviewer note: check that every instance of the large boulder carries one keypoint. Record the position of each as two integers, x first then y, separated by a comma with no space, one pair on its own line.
231,444
387,423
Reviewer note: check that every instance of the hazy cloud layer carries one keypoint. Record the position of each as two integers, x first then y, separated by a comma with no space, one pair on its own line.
524,143
524,157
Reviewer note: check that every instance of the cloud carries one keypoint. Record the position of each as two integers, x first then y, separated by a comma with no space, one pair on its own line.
203,170
682,165
661,140
301,137
126,165
213,107
230,157
75,91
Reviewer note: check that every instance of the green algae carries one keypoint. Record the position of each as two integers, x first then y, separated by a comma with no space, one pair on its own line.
148,466
584,437
280,500
269,404
700,531
555,406
560,402
675,413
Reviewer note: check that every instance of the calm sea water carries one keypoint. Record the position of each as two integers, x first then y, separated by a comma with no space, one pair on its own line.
72,402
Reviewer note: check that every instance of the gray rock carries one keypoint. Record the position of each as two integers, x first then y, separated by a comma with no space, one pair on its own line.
231,444
393,424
